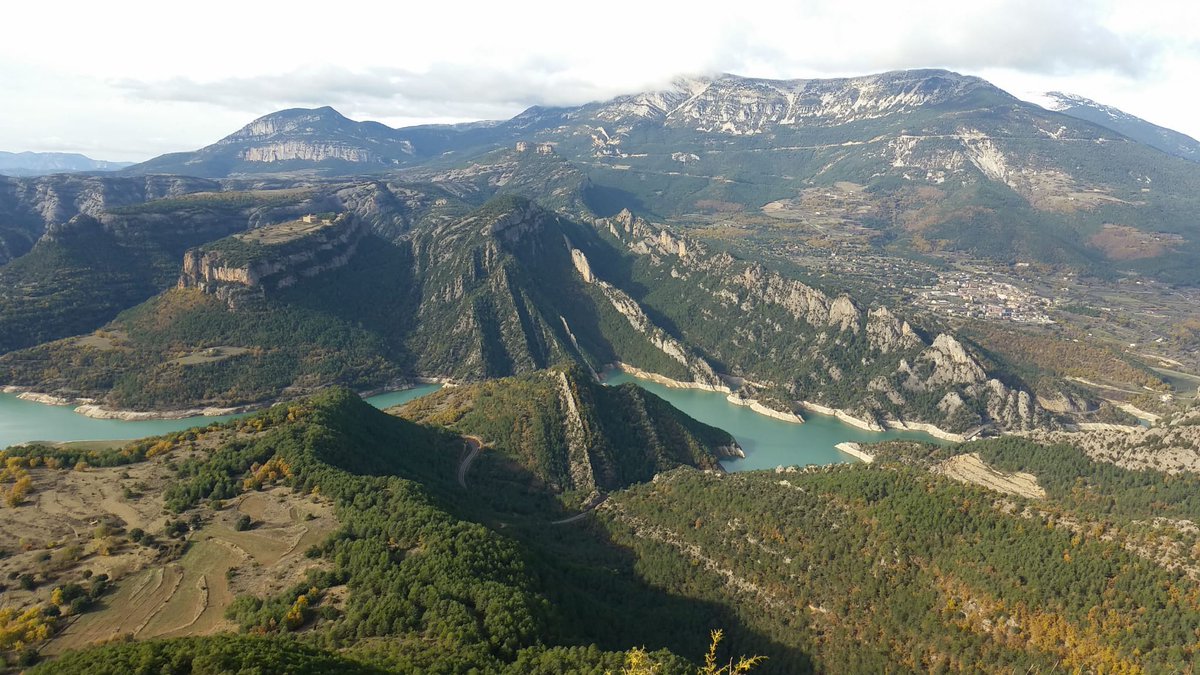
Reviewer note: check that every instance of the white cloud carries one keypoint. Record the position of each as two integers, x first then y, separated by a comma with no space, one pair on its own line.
138,78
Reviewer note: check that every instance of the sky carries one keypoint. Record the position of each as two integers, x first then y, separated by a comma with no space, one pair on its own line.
130,80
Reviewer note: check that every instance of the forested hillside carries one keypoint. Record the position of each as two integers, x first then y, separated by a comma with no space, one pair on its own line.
573,433
510,288
854,568
453,578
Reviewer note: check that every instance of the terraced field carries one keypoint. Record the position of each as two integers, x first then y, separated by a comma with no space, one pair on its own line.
188,596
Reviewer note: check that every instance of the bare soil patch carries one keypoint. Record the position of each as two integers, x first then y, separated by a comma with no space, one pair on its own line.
1121,242
210,355
970,468
105,341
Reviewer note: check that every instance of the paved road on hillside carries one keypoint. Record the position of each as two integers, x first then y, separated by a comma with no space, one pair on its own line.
474,446
582,514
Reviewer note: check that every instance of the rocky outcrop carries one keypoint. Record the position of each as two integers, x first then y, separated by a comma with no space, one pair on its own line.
756,304
627,307
537,148
252,264
31,206
950,363
1065,402
888,334
579,460
513,224
734,105
295,150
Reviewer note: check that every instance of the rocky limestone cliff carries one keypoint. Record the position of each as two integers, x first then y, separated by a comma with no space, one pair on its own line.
298,138
285,151
906,369
579,461
888,334
275,257
699,369
30,206
735,105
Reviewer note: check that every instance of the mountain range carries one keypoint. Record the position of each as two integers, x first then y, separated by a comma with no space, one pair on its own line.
468,293
1136,128
43,163
526,518
948,163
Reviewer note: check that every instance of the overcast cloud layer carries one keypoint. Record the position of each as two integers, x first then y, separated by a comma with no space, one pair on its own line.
135,79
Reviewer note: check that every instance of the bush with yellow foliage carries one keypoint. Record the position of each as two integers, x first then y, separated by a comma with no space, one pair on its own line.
275,469
22,483
20,629
639,662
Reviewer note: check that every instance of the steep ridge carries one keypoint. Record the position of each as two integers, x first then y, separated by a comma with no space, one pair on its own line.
573,433
1167,140
291,139
948,162
500,295
789,343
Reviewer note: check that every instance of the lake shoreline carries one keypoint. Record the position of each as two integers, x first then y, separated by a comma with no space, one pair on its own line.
87,407
730,395
794,417
855,450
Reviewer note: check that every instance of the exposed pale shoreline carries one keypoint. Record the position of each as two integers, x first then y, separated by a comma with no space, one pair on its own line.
101,413
621,367
793,417
761,409
89,408
755,405
842,416
855,450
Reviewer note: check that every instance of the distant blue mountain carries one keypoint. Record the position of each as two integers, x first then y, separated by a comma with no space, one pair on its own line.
43,163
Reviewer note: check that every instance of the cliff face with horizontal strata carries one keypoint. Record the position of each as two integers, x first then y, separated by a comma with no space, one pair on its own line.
252,264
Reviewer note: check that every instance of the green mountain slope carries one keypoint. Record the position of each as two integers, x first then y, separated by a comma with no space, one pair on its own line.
512,288
889,568
573,433
420,574
855,568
